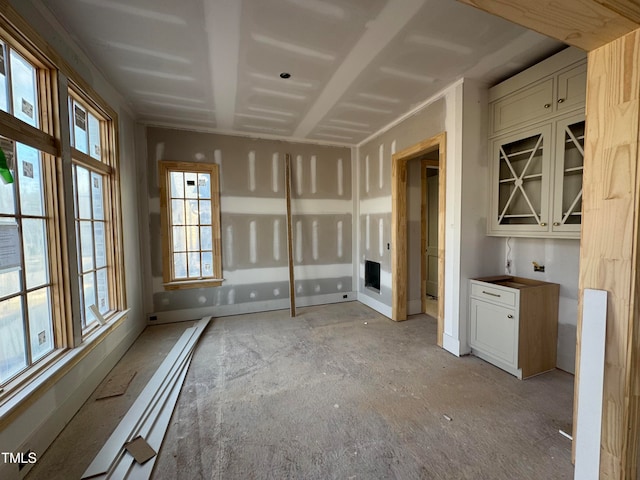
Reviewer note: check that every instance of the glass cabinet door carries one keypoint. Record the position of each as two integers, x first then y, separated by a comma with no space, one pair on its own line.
521,181
567,208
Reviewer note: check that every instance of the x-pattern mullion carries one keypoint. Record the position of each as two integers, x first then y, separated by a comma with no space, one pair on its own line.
575,141
518,180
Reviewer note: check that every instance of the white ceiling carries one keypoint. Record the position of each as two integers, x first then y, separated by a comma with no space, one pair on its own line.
355,65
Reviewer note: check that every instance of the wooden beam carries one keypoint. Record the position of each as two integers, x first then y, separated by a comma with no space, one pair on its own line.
610,241
287,189
586,24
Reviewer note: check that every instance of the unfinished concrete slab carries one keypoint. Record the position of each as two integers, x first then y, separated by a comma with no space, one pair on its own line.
338,392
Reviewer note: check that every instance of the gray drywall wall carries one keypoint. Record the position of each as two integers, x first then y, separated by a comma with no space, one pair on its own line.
253,220
374,195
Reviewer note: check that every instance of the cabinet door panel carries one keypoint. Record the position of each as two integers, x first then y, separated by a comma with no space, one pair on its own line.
567,204
494,331
524,107
572,88
521,181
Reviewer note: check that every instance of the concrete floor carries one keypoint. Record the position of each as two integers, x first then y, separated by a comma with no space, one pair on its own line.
338,392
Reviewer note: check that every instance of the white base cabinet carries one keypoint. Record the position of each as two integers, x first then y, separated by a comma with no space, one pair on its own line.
514,323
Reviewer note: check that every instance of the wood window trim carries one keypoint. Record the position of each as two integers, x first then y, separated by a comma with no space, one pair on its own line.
112,205
212,169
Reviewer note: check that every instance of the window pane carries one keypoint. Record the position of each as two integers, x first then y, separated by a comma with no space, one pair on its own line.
177,212
10,282
99,244
207,264
23,83
194,264
89,295
103,290
12,342
205,212
204,189
80,136
7,196
180,265
177,185
179,239
86,242
206,238
193,238
83,191
96,195
30,179
40,323
95,149
190,185
192,212
35,252
4,97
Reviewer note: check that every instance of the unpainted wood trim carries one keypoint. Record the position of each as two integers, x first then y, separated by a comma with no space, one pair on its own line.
287,189
16,129
586,24
166,166
399,226
90,162
610,241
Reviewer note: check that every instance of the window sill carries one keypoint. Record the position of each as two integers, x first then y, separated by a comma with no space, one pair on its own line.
18,395
210,282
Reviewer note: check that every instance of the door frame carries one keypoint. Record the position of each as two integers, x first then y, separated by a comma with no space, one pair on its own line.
424,229
399,270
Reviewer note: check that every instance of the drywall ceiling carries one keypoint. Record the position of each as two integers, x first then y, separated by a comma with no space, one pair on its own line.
355,65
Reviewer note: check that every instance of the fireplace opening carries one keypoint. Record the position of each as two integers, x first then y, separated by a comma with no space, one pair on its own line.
372,275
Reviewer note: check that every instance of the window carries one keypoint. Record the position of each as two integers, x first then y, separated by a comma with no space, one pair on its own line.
96,234
28,319
190,217
50,203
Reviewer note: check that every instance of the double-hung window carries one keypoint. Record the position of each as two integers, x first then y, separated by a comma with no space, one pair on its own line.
94,207
29,317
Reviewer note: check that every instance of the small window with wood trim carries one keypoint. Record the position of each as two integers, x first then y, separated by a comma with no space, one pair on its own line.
190,216
96,213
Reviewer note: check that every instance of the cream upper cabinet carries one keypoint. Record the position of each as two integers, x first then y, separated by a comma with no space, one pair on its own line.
537,150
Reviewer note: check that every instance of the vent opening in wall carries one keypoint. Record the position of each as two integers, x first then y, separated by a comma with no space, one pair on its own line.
372,275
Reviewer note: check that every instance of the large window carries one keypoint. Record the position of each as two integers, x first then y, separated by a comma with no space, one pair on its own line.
190,215
51,201
27,318
93,175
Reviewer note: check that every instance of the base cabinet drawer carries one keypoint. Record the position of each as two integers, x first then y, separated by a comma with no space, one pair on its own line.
513,323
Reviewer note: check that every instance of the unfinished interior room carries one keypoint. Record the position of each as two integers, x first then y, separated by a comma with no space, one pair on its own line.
318,239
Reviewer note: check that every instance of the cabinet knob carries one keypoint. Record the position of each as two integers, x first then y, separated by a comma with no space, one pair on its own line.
561,100
556,224
547,105
509,316
543,224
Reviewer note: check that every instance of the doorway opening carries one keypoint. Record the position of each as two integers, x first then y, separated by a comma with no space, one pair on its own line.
434,146
430,230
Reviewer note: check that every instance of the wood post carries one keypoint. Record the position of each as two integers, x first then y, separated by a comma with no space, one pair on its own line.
610,241
287,188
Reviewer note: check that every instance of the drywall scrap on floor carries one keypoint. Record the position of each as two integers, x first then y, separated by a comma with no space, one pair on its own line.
149,415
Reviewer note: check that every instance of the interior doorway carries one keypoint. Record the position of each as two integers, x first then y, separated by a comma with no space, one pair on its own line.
430,232
399,234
